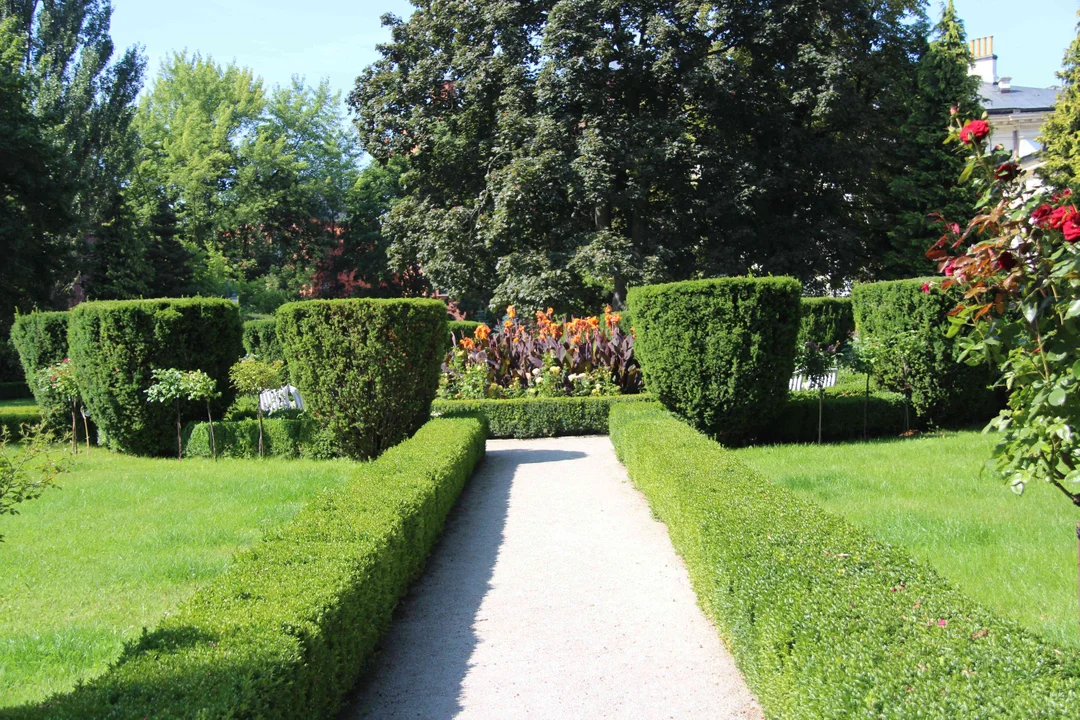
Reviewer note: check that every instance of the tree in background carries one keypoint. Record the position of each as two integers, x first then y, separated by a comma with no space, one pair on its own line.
251,376
923,188
1061,133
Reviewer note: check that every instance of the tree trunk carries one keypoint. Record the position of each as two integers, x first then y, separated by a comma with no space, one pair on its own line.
74,432
213,445
179,440
618,300
86,429
260,432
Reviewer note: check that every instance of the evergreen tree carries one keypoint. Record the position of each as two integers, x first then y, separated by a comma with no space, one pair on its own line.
1061,134
923,187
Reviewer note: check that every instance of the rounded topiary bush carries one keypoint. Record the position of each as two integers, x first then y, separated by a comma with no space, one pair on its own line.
115,345
720,353
41,340
368,369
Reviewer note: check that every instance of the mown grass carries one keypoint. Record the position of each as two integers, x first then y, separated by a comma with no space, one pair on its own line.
931,494
85,567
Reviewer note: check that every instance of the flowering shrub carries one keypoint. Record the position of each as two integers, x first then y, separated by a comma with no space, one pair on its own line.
1018,266
590,356
59,380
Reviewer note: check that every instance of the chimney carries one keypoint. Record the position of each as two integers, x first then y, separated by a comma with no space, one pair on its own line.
1005,84
984,61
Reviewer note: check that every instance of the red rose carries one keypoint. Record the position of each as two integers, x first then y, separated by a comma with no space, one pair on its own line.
1041,215
926,288
1059,196
1071,227
974,130
1007,171
1005,261
1060,215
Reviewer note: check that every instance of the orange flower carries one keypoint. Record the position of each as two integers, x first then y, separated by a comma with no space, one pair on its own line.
482,332
468,343
511,312
550,311
508,325
607,309
594,322
613,320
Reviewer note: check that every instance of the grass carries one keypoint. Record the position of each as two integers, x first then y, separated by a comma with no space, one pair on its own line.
1015,554
84,568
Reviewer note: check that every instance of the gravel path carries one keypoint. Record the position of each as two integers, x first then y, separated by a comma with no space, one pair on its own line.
553,593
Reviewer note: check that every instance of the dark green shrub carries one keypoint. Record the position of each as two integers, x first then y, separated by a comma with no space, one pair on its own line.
11,370
15,391
289,627
823,620
538,417
41,339
261,340
368,368
14,415
240,438
842,418
907,327
825,321
460,329
116,344
719,352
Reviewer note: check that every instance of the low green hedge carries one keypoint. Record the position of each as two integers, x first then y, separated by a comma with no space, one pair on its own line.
842,417
288,628
823,620
14,415
538,417
288,438
15,391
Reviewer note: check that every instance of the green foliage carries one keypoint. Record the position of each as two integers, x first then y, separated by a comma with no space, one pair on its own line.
461,329
843,416
286,631
538,417
1060,151
18,415
719,352
282,437
15,391
28,470
369,369
824,620
41,339
251,376
914,357
10,369
261,340
825,321
116,345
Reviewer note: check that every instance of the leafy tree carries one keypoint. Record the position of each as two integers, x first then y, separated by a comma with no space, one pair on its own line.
1061,133
60,379
251,376
197,386
922,189
169,386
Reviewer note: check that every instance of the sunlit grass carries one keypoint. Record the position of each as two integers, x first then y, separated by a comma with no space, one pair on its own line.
86,567
931,495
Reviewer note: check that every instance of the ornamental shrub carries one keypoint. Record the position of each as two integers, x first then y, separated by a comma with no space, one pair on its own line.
261,340
824,621
538,417
116,345
282,437
720,353
41,339
368,368
907,328
844,416
461,329
825,321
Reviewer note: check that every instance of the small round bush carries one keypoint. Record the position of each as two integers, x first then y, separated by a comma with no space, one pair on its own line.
116,345
719,352
368,369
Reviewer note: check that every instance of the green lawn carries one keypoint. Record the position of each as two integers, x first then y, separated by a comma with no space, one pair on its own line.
1017,555
86,567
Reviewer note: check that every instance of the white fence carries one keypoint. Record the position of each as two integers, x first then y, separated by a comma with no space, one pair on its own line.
803,382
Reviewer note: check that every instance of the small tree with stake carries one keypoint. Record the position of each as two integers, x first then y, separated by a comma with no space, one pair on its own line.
169,387
60,378
200,387
251,376
816,362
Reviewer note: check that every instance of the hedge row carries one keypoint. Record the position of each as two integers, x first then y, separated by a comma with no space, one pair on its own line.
114,346
538,417
368,368
13,419
41,339
720,353
825,321
823,620
914,356
842,417
287,630
240,438
15,391
260,338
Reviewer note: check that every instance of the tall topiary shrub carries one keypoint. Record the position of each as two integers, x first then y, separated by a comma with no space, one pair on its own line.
368,368
825,321
116,345
906,325
261,340
41,339
719,352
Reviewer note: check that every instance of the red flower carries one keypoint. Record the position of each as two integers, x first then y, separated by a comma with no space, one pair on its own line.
1059,196
974,130
926,288
1041,215
1007,171
1071,227
1060,215
955,228
1005,261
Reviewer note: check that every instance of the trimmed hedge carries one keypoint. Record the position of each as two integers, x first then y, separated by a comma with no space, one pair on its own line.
114,346
909,326
11,370
289,627
823,620
720,352
825,321
842,417
260,338
240,438
369,368
538,417
13,417
41,339
15,391
460,329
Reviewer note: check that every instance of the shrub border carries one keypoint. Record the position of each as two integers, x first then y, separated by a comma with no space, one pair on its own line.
538,417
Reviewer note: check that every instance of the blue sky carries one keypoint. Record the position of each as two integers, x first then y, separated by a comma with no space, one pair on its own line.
335,39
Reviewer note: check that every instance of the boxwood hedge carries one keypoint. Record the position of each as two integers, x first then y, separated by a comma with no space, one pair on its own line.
289,438
14,417
260,338
825,321
41,340
368,368
720,352
908,326
289,627
114,346
538,417
842,417
823,620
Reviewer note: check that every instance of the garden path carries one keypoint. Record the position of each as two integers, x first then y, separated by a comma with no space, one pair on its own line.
553,593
